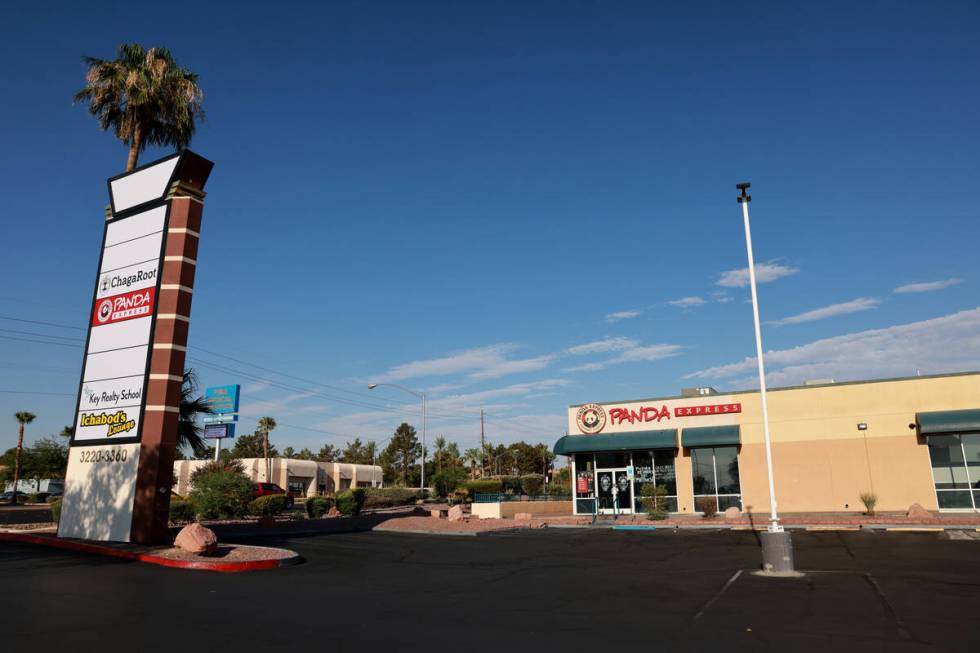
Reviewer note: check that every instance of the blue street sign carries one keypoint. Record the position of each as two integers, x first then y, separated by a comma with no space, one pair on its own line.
219,431
220,419
223,399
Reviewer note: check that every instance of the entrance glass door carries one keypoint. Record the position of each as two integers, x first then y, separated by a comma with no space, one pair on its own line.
614,490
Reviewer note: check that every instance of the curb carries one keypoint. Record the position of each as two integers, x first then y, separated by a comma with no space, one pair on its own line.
200,565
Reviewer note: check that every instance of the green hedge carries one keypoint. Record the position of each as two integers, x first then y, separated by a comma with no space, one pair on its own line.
268,506
389,497
181,511
510,484
221,490
350,502
56,510
447,480
555,489
317,507
483,486
532,484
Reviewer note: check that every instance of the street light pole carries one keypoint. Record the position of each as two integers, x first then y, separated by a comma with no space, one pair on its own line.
777,549
420,395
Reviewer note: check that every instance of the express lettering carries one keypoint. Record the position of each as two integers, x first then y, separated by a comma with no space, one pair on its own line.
644,414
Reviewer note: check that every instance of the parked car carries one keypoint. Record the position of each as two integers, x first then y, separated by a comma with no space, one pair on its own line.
265,489
8,497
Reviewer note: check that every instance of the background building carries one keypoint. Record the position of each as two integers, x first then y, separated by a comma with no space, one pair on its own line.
305,478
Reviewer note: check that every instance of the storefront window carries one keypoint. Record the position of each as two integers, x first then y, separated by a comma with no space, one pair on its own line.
664,471
715,475
651,469
584,483
956,470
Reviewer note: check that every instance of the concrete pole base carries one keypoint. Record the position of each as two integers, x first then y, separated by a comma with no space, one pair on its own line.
777,552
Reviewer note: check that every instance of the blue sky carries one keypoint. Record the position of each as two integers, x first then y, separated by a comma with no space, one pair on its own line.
514,205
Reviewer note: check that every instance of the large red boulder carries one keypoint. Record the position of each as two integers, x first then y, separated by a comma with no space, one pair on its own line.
197,539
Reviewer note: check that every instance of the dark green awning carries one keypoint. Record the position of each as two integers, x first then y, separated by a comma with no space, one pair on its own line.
569,444
711,436
948,421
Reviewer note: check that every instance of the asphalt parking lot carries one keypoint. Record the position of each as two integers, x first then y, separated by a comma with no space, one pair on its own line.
687,590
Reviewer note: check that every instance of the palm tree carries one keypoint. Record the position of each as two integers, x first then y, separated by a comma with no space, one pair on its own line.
189,434
22,418
473,456
144,97
440,452
266,425
452,455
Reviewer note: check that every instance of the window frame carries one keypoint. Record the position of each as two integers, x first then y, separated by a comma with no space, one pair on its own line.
714,470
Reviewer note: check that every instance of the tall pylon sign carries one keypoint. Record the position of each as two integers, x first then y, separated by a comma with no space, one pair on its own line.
120,463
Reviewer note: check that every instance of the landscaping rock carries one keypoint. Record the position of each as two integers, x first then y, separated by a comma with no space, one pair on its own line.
523,516
732,513
333,512
197,539
918,512
435,514
455,513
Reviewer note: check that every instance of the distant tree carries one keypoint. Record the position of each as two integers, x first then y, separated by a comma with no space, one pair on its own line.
288,452
440,453
266,425
402,451
304,454
328,454
370,452
357,453
67,432
453,457
473,457
144,97
251,446
23,418
48,458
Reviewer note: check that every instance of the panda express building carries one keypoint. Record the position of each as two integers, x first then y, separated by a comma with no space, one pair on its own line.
907,440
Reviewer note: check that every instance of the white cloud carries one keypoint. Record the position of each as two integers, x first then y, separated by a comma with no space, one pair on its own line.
602,346
853,306
686,302
945,344
621,315
506,367
631,355
927,286
764,272
480,358
722,298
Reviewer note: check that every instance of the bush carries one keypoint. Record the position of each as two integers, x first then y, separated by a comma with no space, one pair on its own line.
268,506
510,484
483,486
532,484
221,490
181,511
56,510
708,506
870,500
389,497
557,490
317,507
350,502
655,501
447,480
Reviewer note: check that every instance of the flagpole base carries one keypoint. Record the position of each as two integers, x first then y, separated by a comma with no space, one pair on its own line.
777,552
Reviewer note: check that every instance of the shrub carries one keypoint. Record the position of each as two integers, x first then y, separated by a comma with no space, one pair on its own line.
459,495
870,500
389,497
221,490
267,506
510,484
555,489
655,501
483,486
317,507
56,510
181,511
447,480
349,502
708,506
532,484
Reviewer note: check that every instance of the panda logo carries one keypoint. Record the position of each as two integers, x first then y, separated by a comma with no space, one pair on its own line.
105,311
591,418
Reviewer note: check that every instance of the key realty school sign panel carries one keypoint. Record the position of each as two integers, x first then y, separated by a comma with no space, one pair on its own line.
129,395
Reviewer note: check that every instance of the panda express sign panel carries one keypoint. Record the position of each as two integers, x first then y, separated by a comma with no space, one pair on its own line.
120,462
714,410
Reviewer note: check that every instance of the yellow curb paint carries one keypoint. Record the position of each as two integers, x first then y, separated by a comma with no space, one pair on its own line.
833,528
916,530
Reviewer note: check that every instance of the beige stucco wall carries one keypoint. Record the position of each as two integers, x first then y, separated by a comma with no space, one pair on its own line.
822,461
307,471
508,509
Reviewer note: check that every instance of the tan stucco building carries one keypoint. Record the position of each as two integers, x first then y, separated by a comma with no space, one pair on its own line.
305,478
908,440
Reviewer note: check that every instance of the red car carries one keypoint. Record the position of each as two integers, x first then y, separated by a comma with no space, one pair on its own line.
266,489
